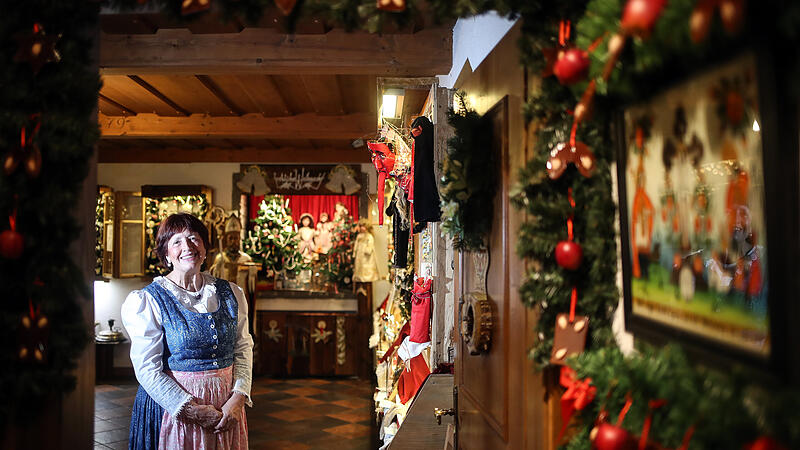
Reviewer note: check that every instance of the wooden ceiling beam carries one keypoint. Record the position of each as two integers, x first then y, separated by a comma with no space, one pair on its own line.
283,155
261,50
217,92
248,126
159,95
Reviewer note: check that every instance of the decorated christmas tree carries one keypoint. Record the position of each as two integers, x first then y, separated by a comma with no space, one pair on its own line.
339,267
273,240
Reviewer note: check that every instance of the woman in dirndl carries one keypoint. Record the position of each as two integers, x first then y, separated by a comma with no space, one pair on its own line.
191,349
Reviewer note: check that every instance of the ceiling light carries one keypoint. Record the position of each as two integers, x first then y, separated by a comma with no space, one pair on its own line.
389,108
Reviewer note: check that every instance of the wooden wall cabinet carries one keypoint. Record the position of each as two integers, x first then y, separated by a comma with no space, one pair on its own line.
299,344
129,242
106,199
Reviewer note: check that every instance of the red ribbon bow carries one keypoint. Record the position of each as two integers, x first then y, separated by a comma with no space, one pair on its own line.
578,395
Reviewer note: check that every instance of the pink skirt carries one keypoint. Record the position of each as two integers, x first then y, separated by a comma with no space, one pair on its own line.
213,387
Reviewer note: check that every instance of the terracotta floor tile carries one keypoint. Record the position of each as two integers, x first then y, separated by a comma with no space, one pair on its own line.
350,416
293,415
354,403
297,402
280,445
351,430
310,381
305,391
107,437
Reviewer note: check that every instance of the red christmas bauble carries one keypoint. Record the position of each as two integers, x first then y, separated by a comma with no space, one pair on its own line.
764,443
572,66
569,255
732,14
612,437
640,16
700,21
11,244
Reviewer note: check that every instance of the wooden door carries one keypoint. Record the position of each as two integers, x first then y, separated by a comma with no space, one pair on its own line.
485,397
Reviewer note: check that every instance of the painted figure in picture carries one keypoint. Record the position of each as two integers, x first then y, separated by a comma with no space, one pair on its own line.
742,273
306,235
191,349
323,236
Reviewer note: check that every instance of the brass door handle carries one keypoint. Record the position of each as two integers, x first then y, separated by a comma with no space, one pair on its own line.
438,413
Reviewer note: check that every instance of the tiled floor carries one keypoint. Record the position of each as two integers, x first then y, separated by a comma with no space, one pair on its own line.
297,414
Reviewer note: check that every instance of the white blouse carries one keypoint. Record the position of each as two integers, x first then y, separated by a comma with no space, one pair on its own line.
141,316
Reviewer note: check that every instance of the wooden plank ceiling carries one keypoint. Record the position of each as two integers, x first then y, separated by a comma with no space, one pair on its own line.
222,92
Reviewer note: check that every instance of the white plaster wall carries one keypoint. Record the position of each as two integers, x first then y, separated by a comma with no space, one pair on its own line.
473,39
108,299
131,177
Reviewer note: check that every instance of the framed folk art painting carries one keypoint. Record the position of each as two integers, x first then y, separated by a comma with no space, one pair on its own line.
697,228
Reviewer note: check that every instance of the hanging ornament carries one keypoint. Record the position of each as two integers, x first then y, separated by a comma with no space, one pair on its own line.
286,6
572,66
570,336
194,6
640,16
34,330
731,12
27,152
569,255
564,154
392,5
612,437
764,443
11,242
37,48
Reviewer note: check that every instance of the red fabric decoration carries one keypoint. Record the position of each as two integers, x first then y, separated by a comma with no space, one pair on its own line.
399,340
312,204
578,395
415,373
421,311
383,160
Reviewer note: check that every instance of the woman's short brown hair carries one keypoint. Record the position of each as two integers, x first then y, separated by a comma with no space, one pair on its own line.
174,224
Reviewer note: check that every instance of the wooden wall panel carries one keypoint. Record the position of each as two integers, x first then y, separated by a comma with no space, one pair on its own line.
272,346
322,356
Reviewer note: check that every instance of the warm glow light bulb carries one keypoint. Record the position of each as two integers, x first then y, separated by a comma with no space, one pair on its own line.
389,106
756,128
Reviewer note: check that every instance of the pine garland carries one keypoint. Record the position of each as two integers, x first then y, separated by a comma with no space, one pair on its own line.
468,183
65,94
726,410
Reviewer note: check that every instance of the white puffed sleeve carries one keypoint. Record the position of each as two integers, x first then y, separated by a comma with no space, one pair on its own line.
142,319
242,349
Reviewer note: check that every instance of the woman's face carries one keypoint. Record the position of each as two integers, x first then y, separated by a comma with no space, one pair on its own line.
186,251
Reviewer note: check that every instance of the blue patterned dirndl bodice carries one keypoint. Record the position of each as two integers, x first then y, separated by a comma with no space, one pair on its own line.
193,342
